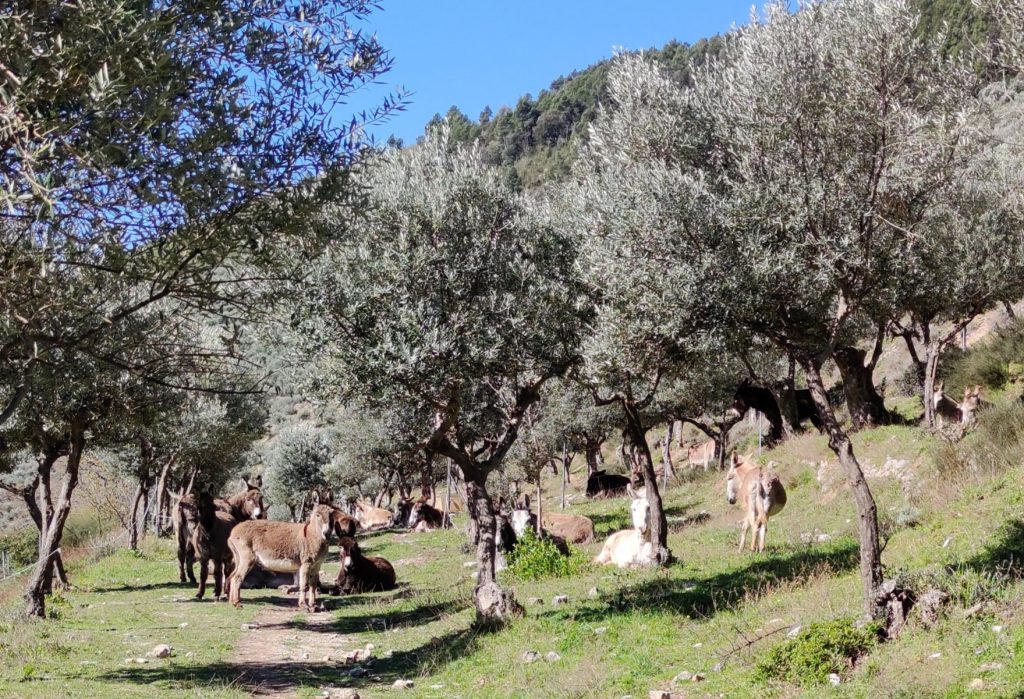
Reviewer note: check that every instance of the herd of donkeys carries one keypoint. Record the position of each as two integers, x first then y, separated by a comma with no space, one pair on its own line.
232,535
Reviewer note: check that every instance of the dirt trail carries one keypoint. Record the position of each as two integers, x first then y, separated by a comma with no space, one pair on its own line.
280,654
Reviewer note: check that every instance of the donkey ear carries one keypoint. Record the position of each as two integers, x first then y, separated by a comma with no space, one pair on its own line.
316,497
735,459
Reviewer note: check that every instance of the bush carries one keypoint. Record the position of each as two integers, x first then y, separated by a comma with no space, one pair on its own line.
536,559
22,547
992,363
819,650
995,445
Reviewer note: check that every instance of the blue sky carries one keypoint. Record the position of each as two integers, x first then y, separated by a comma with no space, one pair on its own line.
474,53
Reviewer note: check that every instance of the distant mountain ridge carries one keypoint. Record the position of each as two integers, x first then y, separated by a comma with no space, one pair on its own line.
533,140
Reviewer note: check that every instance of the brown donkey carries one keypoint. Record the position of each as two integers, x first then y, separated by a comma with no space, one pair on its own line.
247,503
283,547
761,496
184,517
210,543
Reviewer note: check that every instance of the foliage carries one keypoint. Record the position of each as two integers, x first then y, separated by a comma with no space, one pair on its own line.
994,445
992,363
294,465
821,649
539,559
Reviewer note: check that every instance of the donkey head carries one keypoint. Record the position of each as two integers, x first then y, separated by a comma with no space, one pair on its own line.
732,480
638,508
349,552
322,515
401,514
521,518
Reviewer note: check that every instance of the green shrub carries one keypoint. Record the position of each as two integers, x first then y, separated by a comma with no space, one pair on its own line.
992,363
821,649
22,547
993,446
536,559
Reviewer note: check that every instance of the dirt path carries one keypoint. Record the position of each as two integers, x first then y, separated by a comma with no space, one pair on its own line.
284,648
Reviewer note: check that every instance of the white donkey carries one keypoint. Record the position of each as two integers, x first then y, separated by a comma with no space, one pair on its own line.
629,548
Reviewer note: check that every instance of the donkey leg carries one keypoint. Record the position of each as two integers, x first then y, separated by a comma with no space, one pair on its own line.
764,532
243,564
302,586
190,561
743,532
203,571
218,579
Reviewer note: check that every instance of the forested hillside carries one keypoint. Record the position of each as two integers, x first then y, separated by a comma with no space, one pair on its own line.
533,140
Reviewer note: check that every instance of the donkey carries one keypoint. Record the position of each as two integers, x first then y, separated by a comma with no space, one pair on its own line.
761,496
973,402
629,548
371,517
423,516
283,547
210,542
945,407
360,573
701,454
247,503
574,529
184,517
601,483
522,520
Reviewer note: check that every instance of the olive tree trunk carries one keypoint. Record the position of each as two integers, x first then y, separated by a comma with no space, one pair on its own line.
657,525
866,406
867,513
42,576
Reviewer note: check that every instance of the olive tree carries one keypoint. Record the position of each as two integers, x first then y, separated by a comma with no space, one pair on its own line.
836,133
294,464
451,295
637,212
161,150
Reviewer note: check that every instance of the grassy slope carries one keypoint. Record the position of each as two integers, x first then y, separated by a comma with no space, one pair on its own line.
655,623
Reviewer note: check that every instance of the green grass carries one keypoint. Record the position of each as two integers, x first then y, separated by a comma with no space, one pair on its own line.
715,607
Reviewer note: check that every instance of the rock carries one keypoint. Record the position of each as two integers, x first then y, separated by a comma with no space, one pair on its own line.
930,604
495,604
793,632
775,621
559,599
403,684
190,655
991,667
976,684
552,656
469,564
971,611
593,593
659,694
358,672
161,651
183,625
997,628
698,677
531,656
535,600
334,693
834,679
718,667
697,645
326,659
250,626
475,575
601,630
683,676
935,656
823,538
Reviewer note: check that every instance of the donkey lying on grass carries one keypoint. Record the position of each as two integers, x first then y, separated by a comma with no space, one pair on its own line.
629,548
283,547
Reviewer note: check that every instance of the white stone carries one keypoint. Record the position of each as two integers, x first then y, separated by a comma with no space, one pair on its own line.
559,599
161,651
997,628
552,656
935,656
531,656
683,676
403,684
834,679
600,630
793,632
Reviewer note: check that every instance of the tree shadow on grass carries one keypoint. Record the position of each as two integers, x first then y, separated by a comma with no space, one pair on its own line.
700,598
607,523
271,678
128,587
1005,555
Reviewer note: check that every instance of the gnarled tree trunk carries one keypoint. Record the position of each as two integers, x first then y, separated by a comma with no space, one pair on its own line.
494,604
867,513
657,528
867,409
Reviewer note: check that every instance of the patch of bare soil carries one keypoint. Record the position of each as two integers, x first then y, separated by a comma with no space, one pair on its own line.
283,648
